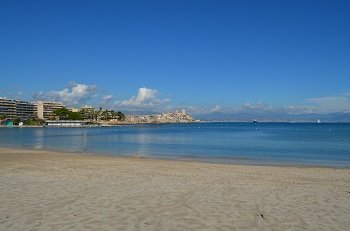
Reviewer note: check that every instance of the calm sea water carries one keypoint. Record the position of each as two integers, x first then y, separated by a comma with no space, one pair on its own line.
261,143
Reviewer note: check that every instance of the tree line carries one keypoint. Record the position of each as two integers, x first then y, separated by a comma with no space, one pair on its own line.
65,114
91,114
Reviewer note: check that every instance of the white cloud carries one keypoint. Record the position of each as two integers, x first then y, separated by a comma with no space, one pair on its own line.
75,94
256,107
191,109
145,98
329,104
296,109
261,107
107,99
217,108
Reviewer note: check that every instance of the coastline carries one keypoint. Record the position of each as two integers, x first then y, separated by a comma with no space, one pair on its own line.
190,159
181,159
58,190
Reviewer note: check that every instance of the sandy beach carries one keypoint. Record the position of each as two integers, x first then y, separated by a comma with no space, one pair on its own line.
42,190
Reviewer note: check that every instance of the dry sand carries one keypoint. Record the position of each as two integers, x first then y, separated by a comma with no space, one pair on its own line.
42,190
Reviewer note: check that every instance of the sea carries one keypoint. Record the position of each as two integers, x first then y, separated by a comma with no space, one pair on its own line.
301,144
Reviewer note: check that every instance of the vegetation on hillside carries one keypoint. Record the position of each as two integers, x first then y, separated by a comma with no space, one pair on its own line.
65,114
110,115
91,114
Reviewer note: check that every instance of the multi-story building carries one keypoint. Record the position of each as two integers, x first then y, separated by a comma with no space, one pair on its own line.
26,110
11,109
87,112
72,109
46,109
8,108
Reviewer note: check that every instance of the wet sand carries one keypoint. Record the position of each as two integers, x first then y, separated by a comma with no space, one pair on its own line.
42,190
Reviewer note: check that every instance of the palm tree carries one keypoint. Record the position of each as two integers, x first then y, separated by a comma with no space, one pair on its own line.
104,115
121,116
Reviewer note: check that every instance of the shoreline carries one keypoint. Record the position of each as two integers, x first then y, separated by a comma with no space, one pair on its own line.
178,123
218,161
170,160
48,190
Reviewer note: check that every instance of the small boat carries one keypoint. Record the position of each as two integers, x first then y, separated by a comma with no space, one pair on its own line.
318,121
255,121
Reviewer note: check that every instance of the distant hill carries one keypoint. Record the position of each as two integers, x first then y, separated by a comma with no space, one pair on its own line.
265,116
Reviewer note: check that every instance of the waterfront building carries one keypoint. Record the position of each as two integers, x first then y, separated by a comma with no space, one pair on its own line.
72,109
65,123
11,109
7,108
26,110
86,107
46,109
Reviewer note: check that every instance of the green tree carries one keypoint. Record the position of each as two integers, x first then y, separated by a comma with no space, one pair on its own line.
65,114
34,122
16,120
105,115
94,115
121,116
62,113
75,116
2,117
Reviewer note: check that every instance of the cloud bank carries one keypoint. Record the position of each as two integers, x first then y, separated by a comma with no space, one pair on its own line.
329,104
75,94
149,100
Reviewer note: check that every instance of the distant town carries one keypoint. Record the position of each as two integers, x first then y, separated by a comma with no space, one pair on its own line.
14,112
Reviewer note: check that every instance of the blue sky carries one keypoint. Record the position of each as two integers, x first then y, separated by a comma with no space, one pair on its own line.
206,56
